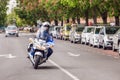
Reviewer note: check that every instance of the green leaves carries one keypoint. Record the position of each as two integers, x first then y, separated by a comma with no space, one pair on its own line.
3,9
50,10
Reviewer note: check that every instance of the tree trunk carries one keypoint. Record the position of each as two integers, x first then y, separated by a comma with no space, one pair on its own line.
78,20
62,22
117,22
95,19
104,17
73,20
56,22
68,20
86,17
94,16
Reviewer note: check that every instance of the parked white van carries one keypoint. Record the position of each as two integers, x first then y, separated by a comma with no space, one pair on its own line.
85,36
106,36
55,31
94,36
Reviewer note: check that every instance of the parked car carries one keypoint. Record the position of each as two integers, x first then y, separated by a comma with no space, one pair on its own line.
75,34
11,30
66,30
27,28
106,36
60,33
94,36
55,31
2,29
116,41
85,36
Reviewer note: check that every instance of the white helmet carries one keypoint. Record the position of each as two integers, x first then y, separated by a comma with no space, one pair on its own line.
45,27
46,24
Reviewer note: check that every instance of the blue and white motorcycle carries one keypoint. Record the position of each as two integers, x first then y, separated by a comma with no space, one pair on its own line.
41,50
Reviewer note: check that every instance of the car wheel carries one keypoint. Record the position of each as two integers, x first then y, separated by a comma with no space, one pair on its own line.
90,44
71,41
94,45
17,35
74,41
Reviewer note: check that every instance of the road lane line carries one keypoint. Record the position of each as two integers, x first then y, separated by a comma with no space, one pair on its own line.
65,71
109,55
75,55
116,57
8,56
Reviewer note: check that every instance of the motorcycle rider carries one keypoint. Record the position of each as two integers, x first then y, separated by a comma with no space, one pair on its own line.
43,34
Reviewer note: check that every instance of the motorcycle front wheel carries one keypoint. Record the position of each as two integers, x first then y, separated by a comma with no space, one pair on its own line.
37,59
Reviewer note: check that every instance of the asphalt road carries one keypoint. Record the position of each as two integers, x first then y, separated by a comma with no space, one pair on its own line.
68,62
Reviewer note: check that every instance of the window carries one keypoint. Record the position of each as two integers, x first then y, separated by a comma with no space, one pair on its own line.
79,29
111,30
97,30
89,30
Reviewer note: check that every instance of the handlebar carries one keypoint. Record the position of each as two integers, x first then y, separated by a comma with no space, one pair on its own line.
41,44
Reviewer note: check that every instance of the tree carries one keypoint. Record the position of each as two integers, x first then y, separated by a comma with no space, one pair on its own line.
102,7
3,9
59,10
13,18
114,10
72,9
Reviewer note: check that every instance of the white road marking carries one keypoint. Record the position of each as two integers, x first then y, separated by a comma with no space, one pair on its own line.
116,57
75,55
10,56
103,54
65,71
109,55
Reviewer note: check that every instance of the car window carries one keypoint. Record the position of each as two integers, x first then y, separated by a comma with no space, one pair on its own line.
111,30
79,29
68,28
89,30
11,28
118,32
97,30
58,29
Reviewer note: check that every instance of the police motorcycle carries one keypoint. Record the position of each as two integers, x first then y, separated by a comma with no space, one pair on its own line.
41,51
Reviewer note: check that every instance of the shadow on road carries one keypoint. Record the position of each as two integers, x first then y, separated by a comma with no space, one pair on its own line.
47,67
